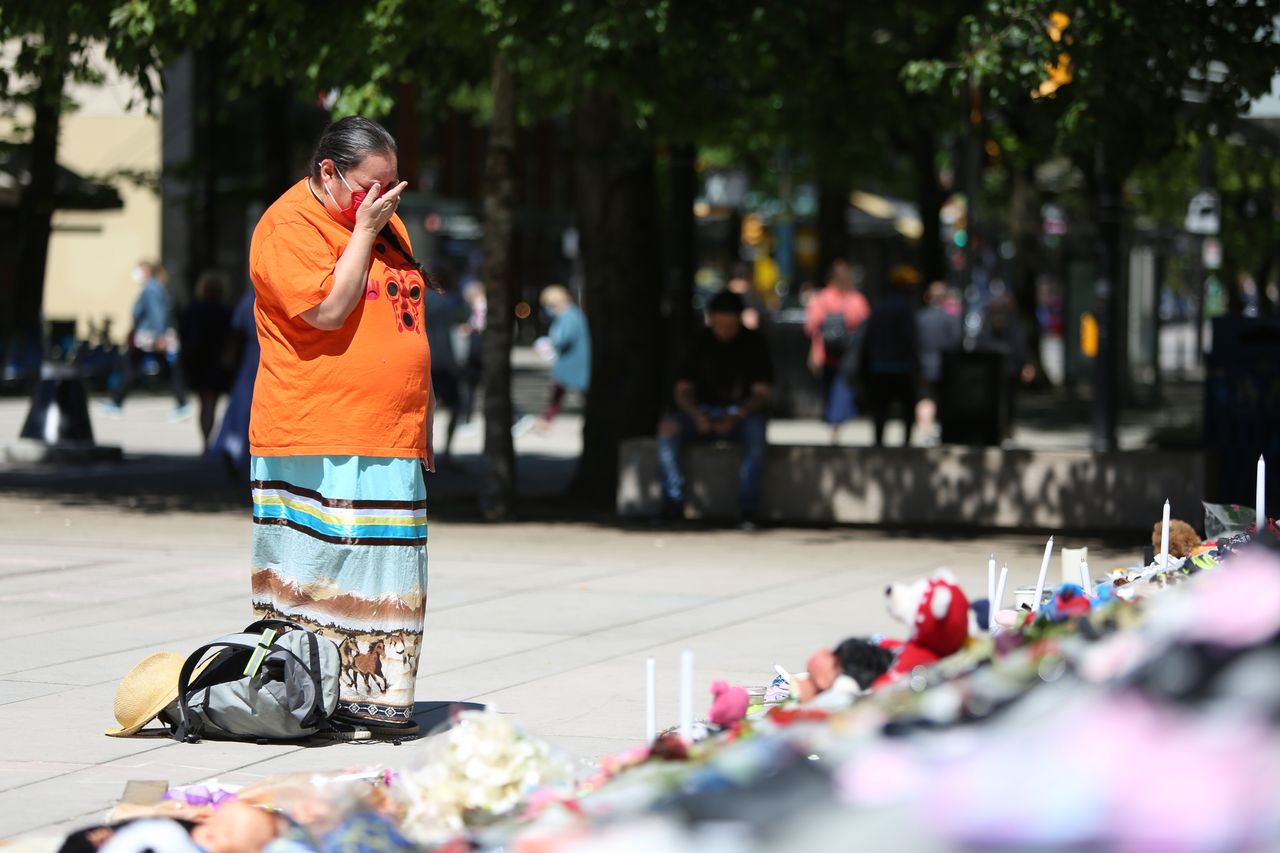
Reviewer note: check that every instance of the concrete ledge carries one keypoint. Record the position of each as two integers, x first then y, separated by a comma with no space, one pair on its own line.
1068,490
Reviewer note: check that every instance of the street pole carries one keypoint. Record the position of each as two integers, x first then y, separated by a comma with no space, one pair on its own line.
972,179
1204,175
1107,309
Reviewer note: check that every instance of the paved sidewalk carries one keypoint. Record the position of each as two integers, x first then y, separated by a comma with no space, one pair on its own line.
549,622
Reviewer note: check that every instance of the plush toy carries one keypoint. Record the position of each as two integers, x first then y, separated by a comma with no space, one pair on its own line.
1183,538
729,705
1069,601
850,669
938,613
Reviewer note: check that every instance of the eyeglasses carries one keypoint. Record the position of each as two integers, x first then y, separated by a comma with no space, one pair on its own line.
366,190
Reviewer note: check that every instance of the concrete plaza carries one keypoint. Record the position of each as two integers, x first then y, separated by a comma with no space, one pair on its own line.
550,622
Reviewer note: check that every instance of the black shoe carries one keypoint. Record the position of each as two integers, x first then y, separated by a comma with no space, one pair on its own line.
671,511
749,523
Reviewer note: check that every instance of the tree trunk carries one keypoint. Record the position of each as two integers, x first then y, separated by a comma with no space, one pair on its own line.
1108,211
498,478
1024,230
929,198
681,254
35,208
617,201
833,226
278,169
209,159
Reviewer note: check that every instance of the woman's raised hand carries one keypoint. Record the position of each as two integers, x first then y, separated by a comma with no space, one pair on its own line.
376,209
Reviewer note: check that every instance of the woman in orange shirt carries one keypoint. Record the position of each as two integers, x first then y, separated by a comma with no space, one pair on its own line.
340,431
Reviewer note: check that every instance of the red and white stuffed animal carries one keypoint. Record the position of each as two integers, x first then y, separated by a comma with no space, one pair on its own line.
938,613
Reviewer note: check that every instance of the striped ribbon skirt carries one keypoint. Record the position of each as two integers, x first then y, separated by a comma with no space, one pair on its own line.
340,546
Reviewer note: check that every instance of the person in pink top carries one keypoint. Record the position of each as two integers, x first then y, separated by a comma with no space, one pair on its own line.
831,317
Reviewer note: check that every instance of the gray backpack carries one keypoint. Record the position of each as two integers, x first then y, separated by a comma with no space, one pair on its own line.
273,681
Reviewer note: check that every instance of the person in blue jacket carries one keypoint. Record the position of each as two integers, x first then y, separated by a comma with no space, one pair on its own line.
570,339
152,338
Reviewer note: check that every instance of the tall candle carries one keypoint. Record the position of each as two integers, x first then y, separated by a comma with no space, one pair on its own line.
650,700
1086,582
686,696
1044,571
1164,538
991,593
999,600
1260,499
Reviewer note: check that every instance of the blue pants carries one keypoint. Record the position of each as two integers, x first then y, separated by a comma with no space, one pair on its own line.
750,433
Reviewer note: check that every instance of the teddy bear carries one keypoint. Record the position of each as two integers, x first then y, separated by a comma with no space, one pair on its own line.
729,704
1183,538
937,611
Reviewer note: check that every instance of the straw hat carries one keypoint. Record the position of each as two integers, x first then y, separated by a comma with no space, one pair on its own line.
146,690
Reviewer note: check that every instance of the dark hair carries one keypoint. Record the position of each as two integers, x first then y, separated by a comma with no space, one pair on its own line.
725,302
347,142
863,660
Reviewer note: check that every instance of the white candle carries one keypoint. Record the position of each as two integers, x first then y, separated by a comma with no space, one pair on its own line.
1044,571
999,599
1086,582
991,593
650,700
686,696
1260,499
1164,538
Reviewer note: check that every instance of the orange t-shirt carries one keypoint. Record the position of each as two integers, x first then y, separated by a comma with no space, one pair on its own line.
358,390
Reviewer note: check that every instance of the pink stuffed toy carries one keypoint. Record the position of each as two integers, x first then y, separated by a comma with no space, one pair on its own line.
938,613
729,705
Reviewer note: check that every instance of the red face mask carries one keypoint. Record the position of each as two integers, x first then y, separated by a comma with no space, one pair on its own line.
357,197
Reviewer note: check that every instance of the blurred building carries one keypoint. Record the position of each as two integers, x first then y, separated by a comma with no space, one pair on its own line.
103,224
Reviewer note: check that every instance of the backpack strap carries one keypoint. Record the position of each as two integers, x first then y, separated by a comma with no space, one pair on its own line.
316,715
262,624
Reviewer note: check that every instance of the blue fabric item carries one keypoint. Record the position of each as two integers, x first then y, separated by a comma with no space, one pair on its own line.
839,397
572,340
751,433
151,309
232,440
939,332
366,832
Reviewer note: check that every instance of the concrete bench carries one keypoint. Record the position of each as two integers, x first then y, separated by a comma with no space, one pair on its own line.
947,486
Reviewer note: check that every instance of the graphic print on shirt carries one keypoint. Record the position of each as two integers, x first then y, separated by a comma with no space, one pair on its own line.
404,295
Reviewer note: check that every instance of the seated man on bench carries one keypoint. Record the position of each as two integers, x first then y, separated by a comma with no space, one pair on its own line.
721,394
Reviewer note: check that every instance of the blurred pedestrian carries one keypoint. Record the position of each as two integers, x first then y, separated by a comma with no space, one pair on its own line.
472,374
203,330
231,444
890,359
721,394
341,428
152,342
441,312
938,333
568,342
1002,334
832,318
